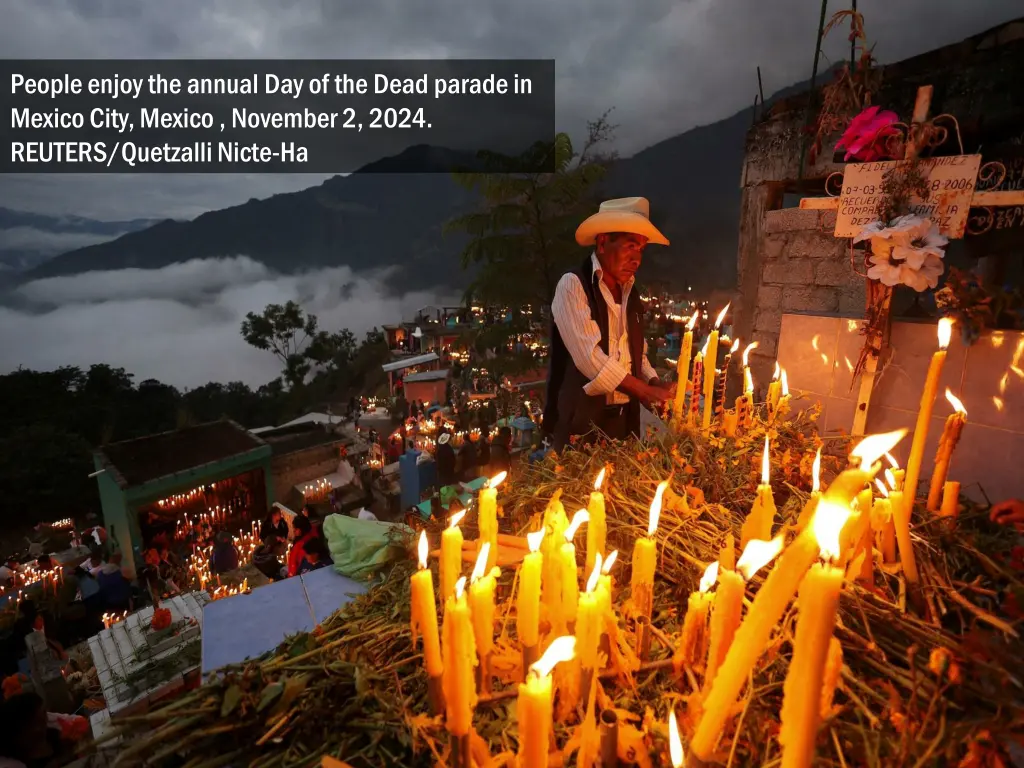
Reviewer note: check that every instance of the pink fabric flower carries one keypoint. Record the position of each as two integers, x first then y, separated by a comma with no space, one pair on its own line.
865,137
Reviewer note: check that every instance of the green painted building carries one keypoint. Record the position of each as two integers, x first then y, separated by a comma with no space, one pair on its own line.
139,478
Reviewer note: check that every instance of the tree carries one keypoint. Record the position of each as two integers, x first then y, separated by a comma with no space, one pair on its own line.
522,240
294,338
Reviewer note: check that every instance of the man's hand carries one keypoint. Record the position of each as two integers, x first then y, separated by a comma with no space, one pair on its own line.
657,392
1009,512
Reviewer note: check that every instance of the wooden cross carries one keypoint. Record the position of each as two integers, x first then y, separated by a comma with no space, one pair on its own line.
881,295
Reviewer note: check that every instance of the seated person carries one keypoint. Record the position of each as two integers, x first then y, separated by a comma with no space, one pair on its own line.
274,525
225,556
303,534
267,558
31,737
317,556
501,453
444,457
114,587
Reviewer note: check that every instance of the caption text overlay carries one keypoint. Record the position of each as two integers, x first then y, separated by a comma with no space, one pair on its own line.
239,116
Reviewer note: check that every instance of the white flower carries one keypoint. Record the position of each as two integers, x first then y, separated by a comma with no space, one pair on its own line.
902,229
916,256
928,242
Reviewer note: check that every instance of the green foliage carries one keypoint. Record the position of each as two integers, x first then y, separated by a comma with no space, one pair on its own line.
522,238
296,340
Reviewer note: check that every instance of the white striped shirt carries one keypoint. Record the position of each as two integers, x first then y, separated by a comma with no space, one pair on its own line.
582,337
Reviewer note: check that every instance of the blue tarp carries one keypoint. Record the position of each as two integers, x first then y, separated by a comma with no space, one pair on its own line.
247,626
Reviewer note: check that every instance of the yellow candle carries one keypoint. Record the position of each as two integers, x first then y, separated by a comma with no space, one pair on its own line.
423,612
459,661
481,602
696,384
528,598
782,407
693,638
924,415
858,537
889,537
710,361
745,402
812,503
604,585
954,427
901,524
683,372
773,597
950,500
730,422
555,523
898,477
881,524
597,525
589,621
569,579
488,519
728,607
451,555
645,559
758,524
774,390
534,707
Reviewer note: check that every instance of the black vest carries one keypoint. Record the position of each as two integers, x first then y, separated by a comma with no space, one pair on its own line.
567,409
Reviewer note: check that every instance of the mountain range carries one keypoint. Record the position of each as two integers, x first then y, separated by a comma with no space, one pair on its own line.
370,219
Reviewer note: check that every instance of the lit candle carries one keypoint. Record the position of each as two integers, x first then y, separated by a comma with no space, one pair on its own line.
481,607
812,503
645,559
723,380
597,525
758,524
950,500
881,522
745,402
951,433
459,661
568,578
534,706
488,519
528,597
816,620
604,585
698,377
555,523
683,371
773,597
693,638
710,361
924,415
451,555
898,474
782,408
861,538
728,605
589,624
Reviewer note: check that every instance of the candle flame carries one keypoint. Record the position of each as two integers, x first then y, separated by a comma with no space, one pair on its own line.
497,480
746,352
562,649
734,347
881,487
581,517
945,331
595,575
460,586
785,382
778,371
652,523
704,349
873,447
721,315
675,744
756,555
816,471
707,581
958,406
456,519
481,563
600,479
892,462
424,549
765,466
890,478
533,540
748,381
607,567
693,320
827,524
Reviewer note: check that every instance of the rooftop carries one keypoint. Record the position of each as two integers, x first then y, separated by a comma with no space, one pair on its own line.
409,362
426,376
147,458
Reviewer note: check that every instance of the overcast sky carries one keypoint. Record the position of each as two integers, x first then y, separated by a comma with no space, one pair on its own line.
664,65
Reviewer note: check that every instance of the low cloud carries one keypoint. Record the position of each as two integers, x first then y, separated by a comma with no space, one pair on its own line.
180,324
44,242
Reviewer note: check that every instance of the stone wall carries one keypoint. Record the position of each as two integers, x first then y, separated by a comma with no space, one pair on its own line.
802,269
302,466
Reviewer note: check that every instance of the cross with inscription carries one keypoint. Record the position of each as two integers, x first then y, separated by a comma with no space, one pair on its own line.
952,191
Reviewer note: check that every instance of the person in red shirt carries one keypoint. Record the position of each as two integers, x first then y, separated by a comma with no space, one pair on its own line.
304,533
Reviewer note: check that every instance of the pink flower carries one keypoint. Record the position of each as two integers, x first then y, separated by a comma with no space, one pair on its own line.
865,137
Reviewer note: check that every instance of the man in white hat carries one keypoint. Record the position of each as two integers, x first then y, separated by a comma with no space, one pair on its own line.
599,373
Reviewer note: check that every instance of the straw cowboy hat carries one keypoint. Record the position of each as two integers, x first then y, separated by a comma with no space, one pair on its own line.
443,439
625,214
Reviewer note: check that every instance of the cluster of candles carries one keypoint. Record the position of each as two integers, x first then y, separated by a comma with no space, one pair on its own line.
836,537
187,525
110,619
221,592
184,499
31,575
319,490
66,522
245,542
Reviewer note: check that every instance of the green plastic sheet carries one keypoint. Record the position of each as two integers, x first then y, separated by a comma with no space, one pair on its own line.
360,548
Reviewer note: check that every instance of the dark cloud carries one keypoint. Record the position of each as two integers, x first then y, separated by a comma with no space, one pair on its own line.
665,65
180,324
